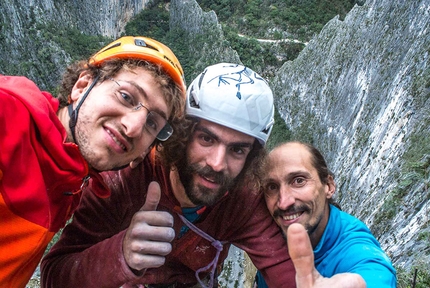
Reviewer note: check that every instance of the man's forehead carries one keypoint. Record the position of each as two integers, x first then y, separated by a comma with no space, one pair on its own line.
289,156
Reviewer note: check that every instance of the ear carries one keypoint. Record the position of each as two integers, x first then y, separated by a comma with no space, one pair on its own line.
331,187
83,82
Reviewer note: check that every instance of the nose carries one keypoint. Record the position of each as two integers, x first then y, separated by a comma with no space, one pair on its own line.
286,197
134,122
217,158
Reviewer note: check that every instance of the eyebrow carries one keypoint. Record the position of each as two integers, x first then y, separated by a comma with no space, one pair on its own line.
213,135
289,176
300,173
145,96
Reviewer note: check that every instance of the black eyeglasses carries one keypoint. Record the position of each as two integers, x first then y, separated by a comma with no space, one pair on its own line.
155,124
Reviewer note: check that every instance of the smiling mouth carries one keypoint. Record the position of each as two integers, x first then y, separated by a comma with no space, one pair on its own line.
291,217
116,140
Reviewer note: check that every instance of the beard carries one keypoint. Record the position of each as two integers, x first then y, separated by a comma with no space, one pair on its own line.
84,140
199,194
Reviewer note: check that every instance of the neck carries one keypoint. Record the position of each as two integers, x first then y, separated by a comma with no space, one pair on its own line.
315,237
64,117
179,190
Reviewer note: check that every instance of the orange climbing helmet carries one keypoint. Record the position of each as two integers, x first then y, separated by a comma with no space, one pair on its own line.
143,48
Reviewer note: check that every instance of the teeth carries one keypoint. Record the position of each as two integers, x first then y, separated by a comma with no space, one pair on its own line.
291,217
116,140
210,180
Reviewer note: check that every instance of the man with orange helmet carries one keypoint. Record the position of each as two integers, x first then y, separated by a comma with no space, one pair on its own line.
110,110
177,233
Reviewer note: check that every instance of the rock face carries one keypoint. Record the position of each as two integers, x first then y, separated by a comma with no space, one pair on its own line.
360,91
23,44
204,36
93,17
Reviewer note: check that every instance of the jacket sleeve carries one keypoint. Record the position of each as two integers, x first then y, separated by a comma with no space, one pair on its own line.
89,252
260,237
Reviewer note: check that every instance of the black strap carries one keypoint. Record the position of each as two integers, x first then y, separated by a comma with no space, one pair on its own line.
74,113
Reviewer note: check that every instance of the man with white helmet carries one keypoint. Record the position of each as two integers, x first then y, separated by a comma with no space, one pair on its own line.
171,220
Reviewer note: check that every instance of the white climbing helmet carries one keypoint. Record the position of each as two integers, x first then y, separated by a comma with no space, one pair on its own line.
234,96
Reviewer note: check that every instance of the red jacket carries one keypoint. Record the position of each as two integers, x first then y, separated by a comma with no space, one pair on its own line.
36,168
89,252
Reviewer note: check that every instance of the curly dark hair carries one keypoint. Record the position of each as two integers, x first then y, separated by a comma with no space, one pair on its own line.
173,95
249,175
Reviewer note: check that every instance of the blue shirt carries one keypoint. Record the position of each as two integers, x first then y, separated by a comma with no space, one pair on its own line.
347,245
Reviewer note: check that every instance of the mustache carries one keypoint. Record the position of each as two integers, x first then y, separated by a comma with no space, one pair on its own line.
208,172
291,210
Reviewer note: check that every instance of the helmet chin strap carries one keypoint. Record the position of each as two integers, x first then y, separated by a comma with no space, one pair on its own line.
74,113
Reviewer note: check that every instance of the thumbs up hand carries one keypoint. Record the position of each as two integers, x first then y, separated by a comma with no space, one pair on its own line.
301,253
148,237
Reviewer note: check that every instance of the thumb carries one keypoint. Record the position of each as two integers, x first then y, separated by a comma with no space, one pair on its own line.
301,253
152,197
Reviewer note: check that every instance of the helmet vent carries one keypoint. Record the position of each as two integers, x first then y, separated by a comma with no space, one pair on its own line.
268,126
201,78
266,131
110,47
193,102
139,42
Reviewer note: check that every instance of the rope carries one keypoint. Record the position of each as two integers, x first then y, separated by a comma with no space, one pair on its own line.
215,243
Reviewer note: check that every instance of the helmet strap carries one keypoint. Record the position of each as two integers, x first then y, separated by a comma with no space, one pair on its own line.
74,113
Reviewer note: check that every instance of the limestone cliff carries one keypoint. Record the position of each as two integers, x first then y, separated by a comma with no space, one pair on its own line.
204,36
360,91
93,17
24,43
